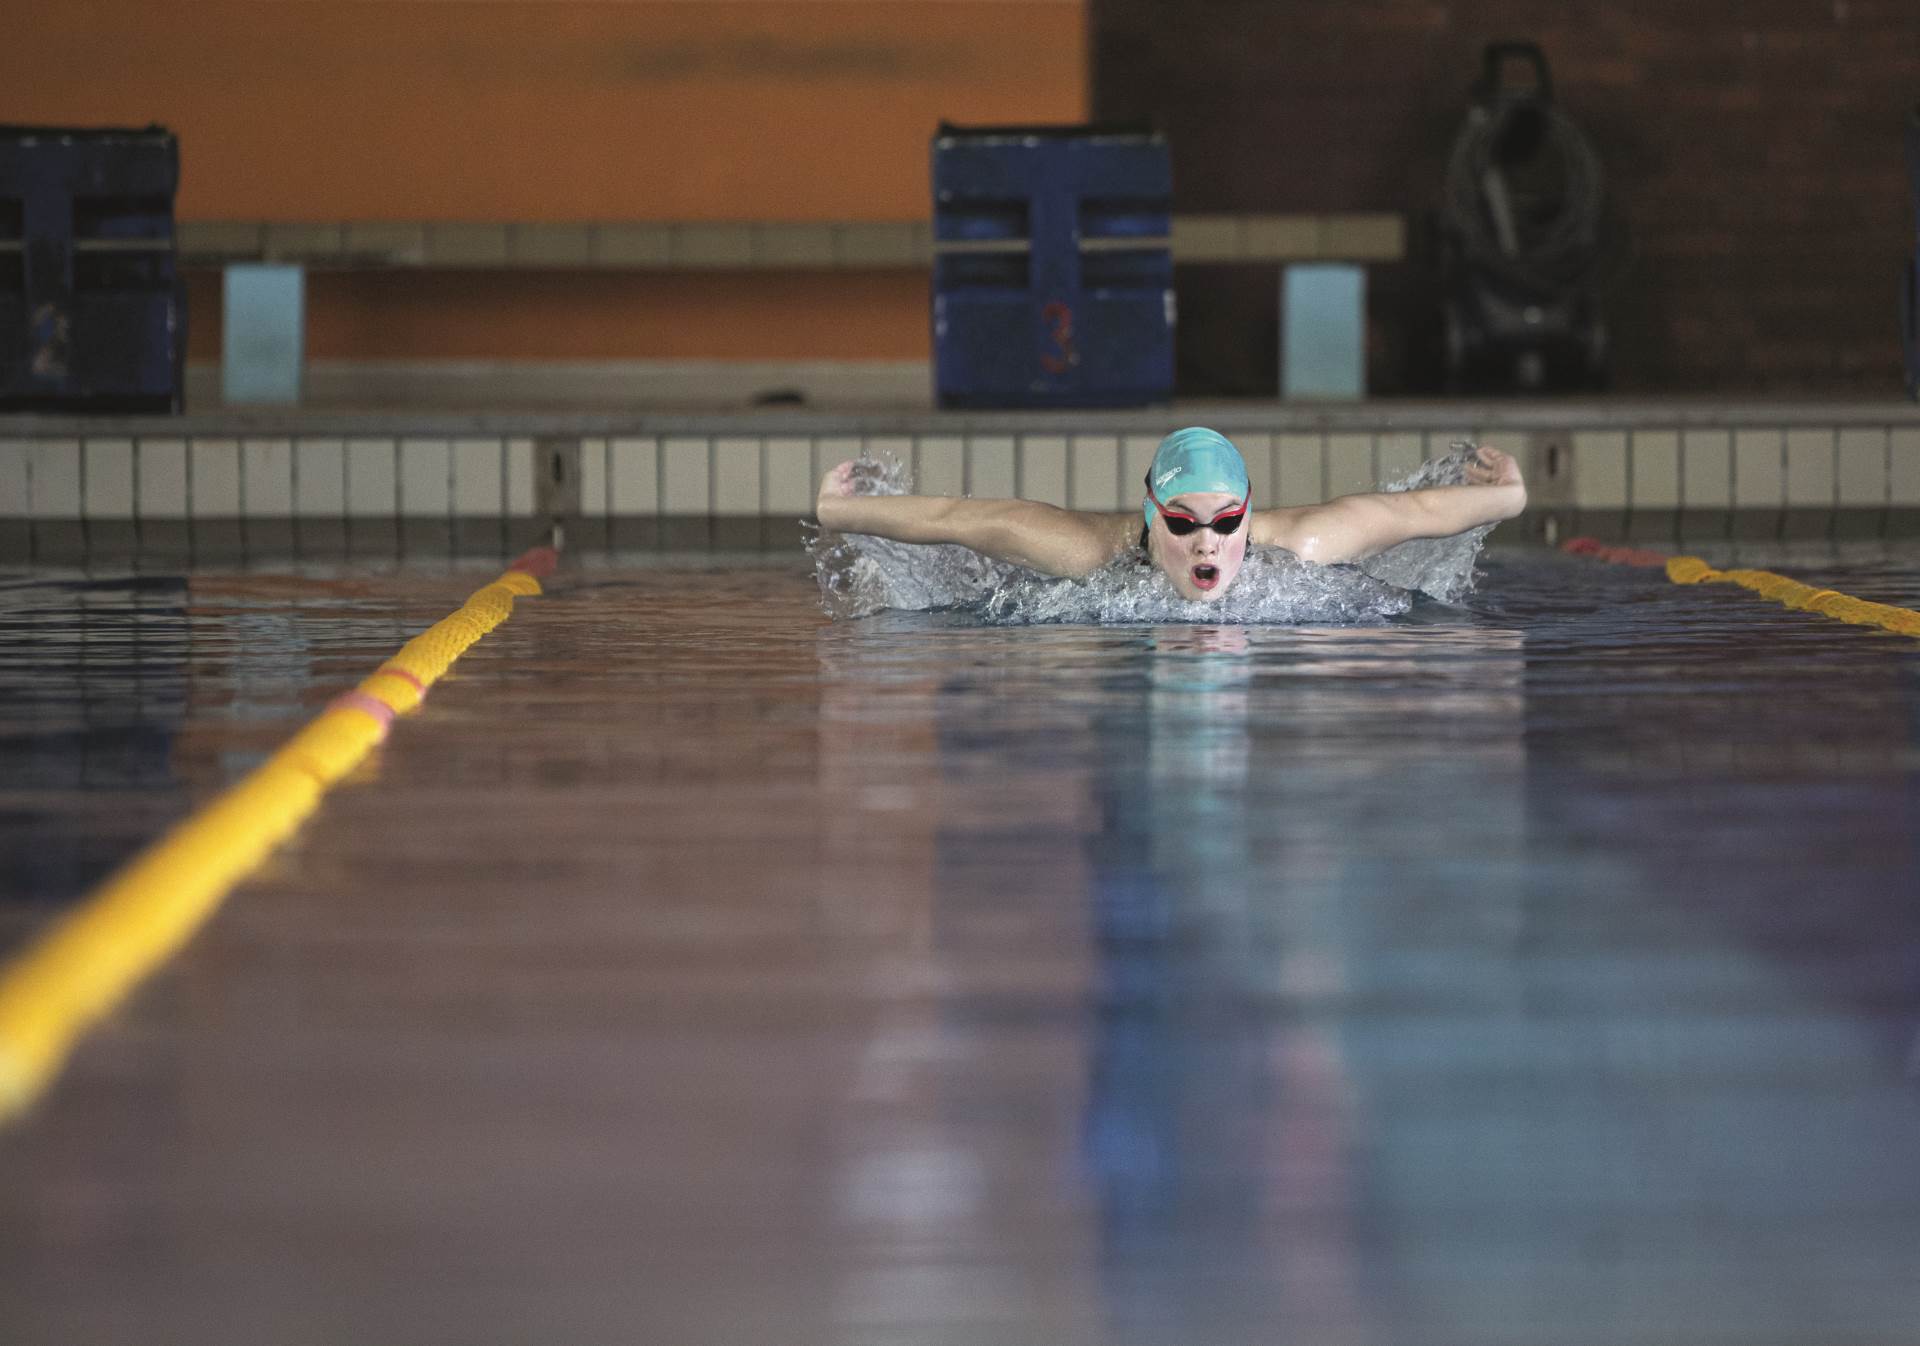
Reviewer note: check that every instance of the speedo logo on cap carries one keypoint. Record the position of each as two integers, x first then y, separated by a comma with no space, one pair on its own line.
1165,477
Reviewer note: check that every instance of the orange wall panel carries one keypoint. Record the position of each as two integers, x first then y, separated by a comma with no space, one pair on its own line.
553,110
548,109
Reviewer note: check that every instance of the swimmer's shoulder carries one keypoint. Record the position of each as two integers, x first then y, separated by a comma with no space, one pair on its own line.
1066,543
1102,537
1278,527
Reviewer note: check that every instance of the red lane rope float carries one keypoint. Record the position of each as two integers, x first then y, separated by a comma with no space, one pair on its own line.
95,955
1620,556
1786,592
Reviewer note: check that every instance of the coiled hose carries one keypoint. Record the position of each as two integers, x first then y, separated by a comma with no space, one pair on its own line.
1525,196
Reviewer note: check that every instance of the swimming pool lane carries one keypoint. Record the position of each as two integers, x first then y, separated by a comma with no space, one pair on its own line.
692,967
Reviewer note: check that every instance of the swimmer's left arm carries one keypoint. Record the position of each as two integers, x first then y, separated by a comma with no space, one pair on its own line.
1067,543
1357,526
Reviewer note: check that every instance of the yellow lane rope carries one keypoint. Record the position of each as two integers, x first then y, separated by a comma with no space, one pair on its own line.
93,957
1793,594
1786,592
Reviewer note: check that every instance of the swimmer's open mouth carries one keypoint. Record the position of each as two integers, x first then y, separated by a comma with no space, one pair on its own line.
1205,577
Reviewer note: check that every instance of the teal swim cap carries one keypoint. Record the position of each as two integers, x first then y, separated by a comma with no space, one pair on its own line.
1194,459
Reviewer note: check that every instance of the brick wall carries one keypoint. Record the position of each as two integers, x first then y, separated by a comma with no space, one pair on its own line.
1753,152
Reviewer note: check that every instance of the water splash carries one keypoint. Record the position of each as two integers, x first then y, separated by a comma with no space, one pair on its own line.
1440,567
860,575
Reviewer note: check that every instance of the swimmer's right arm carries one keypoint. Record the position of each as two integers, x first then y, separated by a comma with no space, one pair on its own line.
1356,526
1067,543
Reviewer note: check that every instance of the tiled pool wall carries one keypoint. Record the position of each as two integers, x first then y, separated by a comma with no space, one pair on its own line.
217,486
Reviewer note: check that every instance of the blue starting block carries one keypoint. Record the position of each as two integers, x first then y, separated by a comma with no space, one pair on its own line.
1052,268
92,308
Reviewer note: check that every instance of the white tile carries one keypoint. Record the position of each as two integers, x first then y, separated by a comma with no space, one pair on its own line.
426,478
633,478
53,468
1096,472
372,479
1257,450
1302,470
940,465
1706,458
1656,469
479,478
1401,453
1811,456
1903,469
990,473
319,479
213,475
16,501
1136,456
1862,467
1040,469
1349,464
548,460
109,478
519,478
266,478
1600,469
1759,474
736,476
791,486
593,478
686,477
160,478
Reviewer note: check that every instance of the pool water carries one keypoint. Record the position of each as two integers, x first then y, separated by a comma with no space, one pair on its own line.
694,968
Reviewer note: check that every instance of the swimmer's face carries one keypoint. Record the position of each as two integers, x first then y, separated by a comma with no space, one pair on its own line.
1202,565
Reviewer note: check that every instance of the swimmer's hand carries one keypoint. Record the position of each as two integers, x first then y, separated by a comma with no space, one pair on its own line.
1491,467
835,488
838,481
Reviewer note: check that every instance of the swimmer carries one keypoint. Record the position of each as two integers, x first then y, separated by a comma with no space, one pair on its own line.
1197,520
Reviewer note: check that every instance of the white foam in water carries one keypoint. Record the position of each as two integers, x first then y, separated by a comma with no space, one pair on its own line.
860,575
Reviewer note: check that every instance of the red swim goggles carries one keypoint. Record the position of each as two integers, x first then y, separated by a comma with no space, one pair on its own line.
1180,522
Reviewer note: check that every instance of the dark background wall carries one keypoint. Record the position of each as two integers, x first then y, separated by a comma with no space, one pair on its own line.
1753,151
